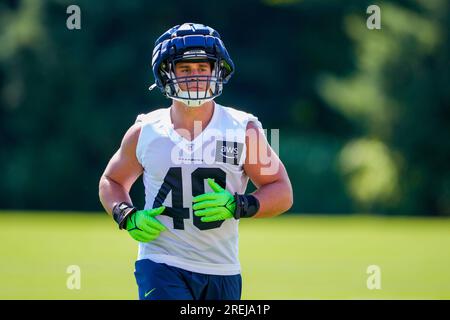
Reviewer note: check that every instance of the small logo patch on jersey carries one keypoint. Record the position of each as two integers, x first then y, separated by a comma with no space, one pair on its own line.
229,151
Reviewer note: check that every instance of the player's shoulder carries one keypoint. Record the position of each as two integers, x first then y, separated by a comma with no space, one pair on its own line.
151,117
234,112
153,125
146,124
239,116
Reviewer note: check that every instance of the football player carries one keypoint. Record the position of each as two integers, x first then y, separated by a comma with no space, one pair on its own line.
196,158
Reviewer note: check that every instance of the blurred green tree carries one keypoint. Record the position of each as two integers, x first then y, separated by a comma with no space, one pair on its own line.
363,113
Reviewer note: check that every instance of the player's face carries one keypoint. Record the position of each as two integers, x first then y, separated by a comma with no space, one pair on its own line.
191,71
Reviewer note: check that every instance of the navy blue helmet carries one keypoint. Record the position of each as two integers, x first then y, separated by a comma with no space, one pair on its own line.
191,42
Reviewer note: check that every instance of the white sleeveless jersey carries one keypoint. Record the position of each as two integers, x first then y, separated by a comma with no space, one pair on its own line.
175,171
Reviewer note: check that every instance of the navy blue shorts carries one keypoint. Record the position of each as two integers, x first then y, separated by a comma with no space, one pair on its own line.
159,281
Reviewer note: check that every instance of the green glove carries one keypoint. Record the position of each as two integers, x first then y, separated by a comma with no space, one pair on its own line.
219,205
143,227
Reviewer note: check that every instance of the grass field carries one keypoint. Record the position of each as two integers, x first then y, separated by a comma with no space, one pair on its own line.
289,257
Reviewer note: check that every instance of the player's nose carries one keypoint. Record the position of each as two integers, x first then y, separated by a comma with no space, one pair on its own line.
195,72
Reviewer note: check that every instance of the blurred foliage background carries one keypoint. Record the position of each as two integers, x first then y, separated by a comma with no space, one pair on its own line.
363,114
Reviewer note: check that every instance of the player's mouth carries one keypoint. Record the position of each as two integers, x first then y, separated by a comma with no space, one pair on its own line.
196,88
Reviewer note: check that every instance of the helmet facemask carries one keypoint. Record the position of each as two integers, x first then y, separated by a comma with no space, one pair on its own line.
206,87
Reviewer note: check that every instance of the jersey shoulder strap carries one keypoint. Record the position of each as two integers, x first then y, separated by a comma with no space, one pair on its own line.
242,117
152,126
151,117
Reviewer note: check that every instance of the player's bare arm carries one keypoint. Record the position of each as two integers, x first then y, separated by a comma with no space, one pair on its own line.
265,169
274,189
121,172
